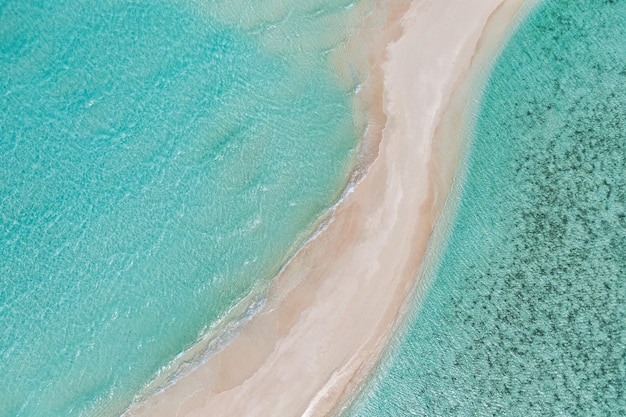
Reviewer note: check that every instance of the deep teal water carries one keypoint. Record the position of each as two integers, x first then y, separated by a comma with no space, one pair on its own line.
526,311
157,161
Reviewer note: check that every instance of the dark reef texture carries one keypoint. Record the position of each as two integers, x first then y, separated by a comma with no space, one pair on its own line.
526,314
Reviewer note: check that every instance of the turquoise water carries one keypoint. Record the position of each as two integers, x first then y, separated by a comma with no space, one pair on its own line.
157,161
526,312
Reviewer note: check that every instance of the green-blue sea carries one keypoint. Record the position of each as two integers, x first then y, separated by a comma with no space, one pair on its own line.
525,309
159,162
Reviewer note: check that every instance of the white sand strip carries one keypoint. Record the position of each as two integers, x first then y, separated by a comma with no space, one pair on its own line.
333,308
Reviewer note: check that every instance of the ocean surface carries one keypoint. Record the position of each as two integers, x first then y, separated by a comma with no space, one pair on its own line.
159,161
525,310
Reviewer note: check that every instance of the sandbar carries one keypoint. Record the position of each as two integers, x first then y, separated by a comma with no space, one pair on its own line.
333,308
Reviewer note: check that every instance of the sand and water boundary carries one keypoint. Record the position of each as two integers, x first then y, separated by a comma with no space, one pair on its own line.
331,311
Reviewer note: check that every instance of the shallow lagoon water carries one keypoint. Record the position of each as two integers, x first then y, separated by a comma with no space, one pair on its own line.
158,161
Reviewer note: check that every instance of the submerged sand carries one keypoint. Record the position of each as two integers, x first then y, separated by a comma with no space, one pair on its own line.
332,310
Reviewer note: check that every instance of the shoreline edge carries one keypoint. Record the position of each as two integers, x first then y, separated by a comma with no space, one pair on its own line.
331,311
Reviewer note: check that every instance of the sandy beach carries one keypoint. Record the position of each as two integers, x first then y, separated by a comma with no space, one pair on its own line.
331,311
